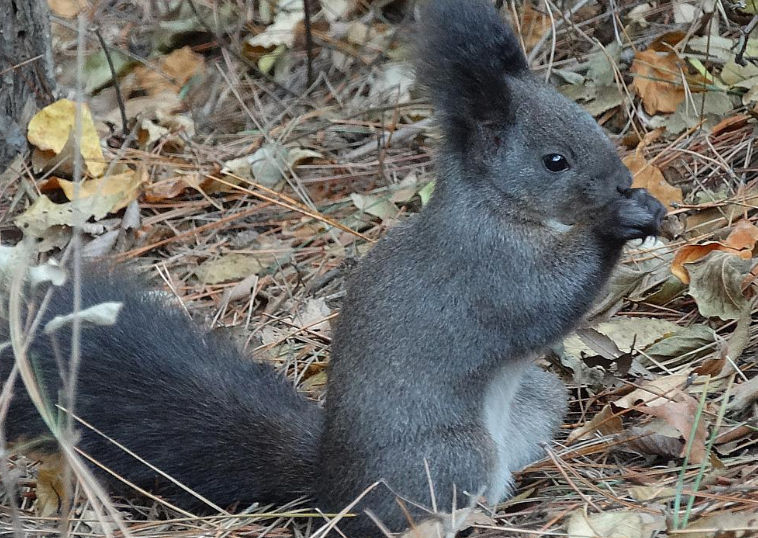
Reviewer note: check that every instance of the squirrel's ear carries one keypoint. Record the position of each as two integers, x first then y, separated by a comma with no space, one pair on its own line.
465,52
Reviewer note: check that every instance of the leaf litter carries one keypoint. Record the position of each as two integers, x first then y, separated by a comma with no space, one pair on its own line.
251,201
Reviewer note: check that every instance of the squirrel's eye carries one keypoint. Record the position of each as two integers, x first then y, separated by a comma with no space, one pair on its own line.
555,162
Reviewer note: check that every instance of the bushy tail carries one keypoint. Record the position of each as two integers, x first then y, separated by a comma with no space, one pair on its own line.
188,402
464,52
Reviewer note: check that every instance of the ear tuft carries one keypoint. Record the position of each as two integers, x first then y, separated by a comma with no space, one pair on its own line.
464,52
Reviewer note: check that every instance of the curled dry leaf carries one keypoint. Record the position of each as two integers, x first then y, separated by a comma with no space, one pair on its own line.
648,176
741,242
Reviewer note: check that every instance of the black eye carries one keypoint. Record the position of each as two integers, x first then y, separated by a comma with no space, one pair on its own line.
555,162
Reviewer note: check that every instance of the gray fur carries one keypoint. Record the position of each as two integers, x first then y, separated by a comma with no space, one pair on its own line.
432,353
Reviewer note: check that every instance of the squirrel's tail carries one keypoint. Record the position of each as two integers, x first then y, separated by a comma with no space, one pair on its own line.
464,53
188,402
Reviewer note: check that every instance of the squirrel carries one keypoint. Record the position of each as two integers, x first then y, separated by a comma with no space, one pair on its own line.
432,387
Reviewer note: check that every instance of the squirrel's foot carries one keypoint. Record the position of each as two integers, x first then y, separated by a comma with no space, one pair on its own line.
638,215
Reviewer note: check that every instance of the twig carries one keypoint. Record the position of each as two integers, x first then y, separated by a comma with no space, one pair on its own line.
744,35
114,76
308,40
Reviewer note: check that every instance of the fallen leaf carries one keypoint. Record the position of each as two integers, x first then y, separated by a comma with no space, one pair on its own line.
605,422
680,414
741,242
614,525
650,177
375,205
744,394
625,333
120,189
43,214
724,525
444,525
716,284
648,493
52,127
67,9
657,438
174,71
653,393
658,80
228,268
282,31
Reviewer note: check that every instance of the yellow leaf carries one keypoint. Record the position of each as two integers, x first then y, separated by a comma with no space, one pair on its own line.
121,189
52,127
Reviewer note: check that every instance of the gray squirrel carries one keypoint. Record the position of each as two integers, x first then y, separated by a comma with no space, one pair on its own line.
431,383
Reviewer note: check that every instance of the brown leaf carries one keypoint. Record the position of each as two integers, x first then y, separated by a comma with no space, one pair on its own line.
741,242
658,80
648,176
743,237
173,72
654,393
680,414
606,422
693,253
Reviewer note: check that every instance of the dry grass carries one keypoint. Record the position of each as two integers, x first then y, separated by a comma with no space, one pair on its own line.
307,235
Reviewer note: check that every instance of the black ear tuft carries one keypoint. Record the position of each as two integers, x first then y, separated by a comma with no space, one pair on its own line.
464,52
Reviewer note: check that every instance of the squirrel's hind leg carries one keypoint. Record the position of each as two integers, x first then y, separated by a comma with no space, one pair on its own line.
538,411
533,414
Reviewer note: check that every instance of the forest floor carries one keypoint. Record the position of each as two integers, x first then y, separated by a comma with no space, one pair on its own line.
255,161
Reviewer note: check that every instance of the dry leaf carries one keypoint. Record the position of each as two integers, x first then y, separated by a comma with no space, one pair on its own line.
533,25
725,525
614,525
716,284
680,415
52,127
656,438
740,242
43,214
67,9
648,176
121,189
744,395
654,393
658,80
605,422
229,268
179,66
50,487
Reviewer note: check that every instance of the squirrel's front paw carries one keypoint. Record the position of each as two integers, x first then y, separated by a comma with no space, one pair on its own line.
638,215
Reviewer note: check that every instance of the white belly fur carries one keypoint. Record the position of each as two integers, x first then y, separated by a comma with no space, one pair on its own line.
498,401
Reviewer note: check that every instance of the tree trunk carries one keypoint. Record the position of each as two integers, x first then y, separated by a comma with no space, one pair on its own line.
26,71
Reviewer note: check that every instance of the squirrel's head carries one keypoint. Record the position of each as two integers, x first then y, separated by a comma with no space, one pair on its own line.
509,136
